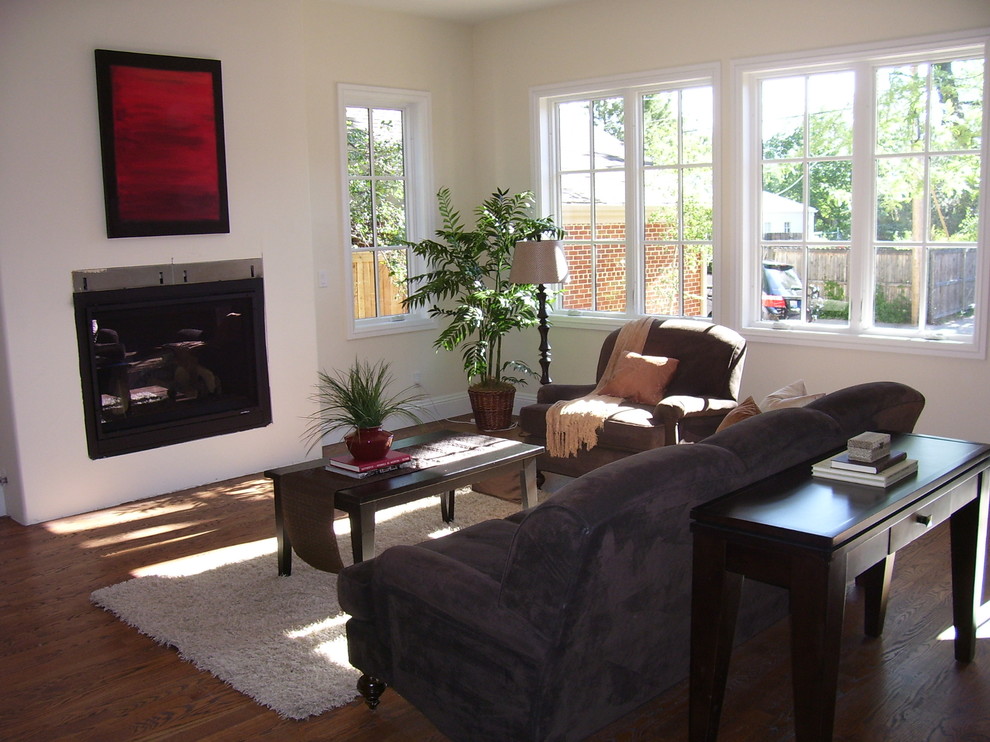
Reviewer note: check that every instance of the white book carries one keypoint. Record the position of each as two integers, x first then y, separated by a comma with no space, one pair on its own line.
889,476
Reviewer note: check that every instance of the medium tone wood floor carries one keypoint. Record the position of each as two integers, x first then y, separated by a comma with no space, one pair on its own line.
71,671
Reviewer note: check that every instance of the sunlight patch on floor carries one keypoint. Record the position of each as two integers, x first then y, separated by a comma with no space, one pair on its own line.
197,563
111,518
160,506
982,632
138,534
335,650
333,621
342,526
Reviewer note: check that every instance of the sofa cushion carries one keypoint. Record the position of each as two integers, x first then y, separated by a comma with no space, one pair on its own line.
641,379
744,410
794,394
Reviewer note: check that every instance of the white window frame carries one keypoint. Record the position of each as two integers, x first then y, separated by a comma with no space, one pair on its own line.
746,76
420,198
542,101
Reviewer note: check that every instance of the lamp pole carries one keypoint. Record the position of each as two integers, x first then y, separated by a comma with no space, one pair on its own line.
541,294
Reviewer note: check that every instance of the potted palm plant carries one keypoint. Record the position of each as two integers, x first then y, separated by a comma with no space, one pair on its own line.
467,284
358,398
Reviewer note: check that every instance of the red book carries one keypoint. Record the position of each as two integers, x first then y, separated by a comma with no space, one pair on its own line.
392,458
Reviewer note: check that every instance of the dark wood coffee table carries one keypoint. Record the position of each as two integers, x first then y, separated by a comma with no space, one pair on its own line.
306,495
811,536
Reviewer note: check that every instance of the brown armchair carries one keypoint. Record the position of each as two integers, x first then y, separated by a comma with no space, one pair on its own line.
704,389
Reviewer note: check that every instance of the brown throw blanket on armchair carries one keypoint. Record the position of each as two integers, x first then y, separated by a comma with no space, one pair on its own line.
573,424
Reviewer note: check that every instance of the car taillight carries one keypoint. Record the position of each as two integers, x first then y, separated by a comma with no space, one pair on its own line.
774,302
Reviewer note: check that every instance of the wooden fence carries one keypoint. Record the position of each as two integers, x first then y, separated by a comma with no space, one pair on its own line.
951,275
390,300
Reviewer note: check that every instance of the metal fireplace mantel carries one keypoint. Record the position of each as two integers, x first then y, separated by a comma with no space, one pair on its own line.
167,274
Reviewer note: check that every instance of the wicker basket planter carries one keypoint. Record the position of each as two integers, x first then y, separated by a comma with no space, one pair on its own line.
492,408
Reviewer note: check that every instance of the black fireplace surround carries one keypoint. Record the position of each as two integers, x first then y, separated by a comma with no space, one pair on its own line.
171,353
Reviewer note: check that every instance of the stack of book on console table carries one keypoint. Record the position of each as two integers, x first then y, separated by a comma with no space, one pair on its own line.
867,460
348,466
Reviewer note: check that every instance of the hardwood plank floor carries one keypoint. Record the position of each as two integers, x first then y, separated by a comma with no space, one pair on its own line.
73,672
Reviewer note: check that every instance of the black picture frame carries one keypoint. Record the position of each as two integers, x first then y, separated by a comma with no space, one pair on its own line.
162,143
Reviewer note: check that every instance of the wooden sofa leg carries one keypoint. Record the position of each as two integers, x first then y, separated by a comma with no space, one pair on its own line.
372,689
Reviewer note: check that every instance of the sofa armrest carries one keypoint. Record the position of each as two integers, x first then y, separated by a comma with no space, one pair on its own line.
462,595
550,393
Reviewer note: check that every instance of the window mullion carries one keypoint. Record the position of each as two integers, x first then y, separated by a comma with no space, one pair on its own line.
635,226
863,224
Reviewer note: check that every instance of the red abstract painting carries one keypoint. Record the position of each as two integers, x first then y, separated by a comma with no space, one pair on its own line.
163,158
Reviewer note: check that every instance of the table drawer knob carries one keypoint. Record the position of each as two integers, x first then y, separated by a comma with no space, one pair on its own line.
924,519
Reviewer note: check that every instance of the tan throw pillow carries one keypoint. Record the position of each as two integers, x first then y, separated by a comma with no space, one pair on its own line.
745,409
641,379
792,395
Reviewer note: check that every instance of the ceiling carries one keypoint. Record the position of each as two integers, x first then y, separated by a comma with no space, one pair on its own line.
462,11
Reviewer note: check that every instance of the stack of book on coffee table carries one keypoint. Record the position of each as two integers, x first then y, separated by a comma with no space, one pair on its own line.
349,466
867,460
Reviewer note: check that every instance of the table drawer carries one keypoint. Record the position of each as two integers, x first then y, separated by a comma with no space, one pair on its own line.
931,514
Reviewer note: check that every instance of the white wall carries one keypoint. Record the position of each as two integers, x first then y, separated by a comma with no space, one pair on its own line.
598,39
367,47
52,222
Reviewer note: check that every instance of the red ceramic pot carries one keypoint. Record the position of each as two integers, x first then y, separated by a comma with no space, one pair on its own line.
368,444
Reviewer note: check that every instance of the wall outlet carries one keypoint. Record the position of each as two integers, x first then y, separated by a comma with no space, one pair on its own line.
3,478
417,377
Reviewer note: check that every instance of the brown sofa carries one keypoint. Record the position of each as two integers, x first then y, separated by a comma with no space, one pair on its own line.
556,621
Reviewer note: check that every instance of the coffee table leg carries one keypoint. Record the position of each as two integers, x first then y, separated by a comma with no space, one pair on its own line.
527,484
281,537
447,506
362,533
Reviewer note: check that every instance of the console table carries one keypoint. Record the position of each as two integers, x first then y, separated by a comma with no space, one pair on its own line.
813,535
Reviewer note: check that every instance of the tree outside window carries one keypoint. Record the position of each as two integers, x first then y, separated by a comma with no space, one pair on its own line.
892,228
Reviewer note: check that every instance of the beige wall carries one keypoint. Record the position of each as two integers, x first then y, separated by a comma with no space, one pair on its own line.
282,60
345,44
597,39
52,222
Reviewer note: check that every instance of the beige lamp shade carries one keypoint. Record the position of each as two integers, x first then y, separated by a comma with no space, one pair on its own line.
539,261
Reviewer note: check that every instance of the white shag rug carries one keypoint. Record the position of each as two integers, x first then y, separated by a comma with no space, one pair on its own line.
279,640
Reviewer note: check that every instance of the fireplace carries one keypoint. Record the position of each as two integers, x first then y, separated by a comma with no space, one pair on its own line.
171,353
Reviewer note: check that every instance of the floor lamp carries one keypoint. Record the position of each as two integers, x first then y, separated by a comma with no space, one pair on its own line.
540,262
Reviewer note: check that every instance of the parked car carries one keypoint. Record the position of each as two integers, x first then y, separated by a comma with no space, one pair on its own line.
784,295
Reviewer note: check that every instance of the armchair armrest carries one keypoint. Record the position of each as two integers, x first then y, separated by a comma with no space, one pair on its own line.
550,393
672,409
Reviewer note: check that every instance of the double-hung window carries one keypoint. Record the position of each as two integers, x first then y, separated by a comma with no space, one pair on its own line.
627,168
864,198
386,139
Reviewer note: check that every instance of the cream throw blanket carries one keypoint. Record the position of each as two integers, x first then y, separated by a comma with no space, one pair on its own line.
573,424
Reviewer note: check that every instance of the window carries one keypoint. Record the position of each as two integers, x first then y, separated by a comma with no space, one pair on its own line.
869,168
628,172
386,134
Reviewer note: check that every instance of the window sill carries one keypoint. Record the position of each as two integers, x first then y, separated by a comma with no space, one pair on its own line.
378,327
805,335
